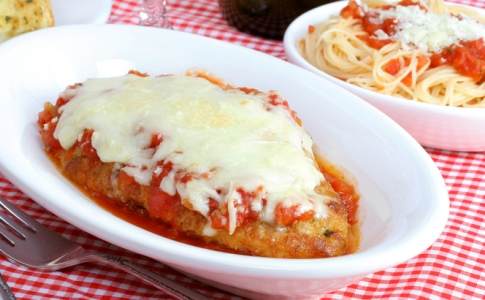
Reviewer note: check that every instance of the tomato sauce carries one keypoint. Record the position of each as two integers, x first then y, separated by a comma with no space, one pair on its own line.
143,219
353,10
395,65
140,218
343,187
467,57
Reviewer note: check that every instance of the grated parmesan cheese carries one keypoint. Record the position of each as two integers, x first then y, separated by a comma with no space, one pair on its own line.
429,32
381,35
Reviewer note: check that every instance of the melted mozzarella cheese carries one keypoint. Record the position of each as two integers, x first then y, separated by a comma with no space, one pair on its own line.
429,32
225,138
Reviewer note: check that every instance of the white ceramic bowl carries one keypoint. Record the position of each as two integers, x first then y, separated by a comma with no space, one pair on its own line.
404,203
452,128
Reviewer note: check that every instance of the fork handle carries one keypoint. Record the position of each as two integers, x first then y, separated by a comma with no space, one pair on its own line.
168,286
5,292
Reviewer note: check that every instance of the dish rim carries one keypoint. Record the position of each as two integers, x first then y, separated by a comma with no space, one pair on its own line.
291,37
358,263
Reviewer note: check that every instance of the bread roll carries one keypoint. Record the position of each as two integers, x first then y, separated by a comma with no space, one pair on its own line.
19,16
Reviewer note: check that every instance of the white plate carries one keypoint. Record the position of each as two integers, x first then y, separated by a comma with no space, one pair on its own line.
404,203
80,11
452,128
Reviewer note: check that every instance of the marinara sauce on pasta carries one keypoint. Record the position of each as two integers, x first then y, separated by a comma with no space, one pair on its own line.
429,52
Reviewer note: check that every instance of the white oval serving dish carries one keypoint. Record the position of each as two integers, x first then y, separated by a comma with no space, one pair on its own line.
404,203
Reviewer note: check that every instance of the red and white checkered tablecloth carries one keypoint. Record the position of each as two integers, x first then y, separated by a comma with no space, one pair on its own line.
452,268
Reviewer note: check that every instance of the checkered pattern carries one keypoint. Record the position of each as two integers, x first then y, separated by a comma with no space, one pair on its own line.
452,268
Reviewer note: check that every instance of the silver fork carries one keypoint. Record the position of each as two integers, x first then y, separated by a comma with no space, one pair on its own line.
5,292
27,242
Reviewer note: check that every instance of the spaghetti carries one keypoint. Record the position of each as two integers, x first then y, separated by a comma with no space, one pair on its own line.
428,52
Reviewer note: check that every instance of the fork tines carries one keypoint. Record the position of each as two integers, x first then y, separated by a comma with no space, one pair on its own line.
16,224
